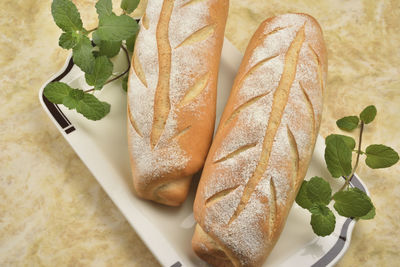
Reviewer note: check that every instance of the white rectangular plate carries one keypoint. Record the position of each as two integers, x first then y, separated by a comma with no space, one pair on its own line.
167,231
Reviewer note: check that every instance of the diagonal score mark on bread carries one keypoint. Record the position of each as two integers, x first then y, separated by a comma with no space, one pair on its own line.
133,122
272,207
236,152
180,133
280,100
162,103
294,154
199,35
319,66
190,2
254,69
254,99
276,30
219,195
195,90
310,107
243,106
145,21
138,69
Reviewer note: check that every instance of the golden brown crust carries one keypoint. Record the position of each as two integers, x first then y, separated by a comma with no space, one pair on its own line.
172,95
264,143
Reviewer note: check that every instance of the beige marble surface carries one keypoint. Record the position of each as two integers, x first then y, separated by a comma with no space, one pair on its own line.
53,212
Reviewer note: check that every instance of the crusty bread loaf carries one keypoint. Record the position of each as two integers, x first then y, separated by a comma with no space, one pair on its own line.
172,94
263,145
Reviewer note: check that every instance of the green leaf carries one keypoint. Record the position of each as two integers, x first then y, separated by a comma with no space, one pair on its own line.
101,72
348,123
322,220
368,114
370,215
55,92
302,197
83,56
130,43
107,48
349,141
72,99
319,190
129,5
92,108
68,40
66,15
125,83
117,28
104,7
337,156
352,203
380,156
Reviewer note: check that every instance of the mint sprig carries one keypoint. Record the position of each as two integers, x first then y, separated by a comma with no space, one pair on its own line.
84,103
316,194
113,34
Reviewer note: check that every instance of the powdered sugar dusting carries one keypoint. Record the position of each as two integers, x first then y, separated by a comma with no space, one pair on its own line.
263,79
240,240
187,62
244,236
277,43
185,20
187,65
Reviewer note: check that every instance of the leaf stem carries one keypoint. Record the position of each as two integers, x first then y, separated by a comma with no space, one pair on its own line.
89,31
359,152
120,75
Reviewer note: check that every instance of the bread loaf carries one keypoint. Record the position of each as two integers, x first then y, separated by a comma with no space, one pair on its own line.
172,95
263,145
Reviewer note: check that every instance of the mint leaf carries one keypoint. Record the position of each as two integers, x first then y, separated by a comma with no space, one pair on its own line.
319,190
130,43
125,83
92,108
349,141
66,15
117,28
352,203
101,72
104,7
72,99
107,48
129,5
368,114
337,156
83,56
370,215
68,40
380,156
348,123
55,92
302,197
322,220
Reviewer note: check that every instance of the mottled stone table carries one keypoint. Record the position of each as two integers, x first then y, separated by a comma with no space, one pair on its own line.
54,213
